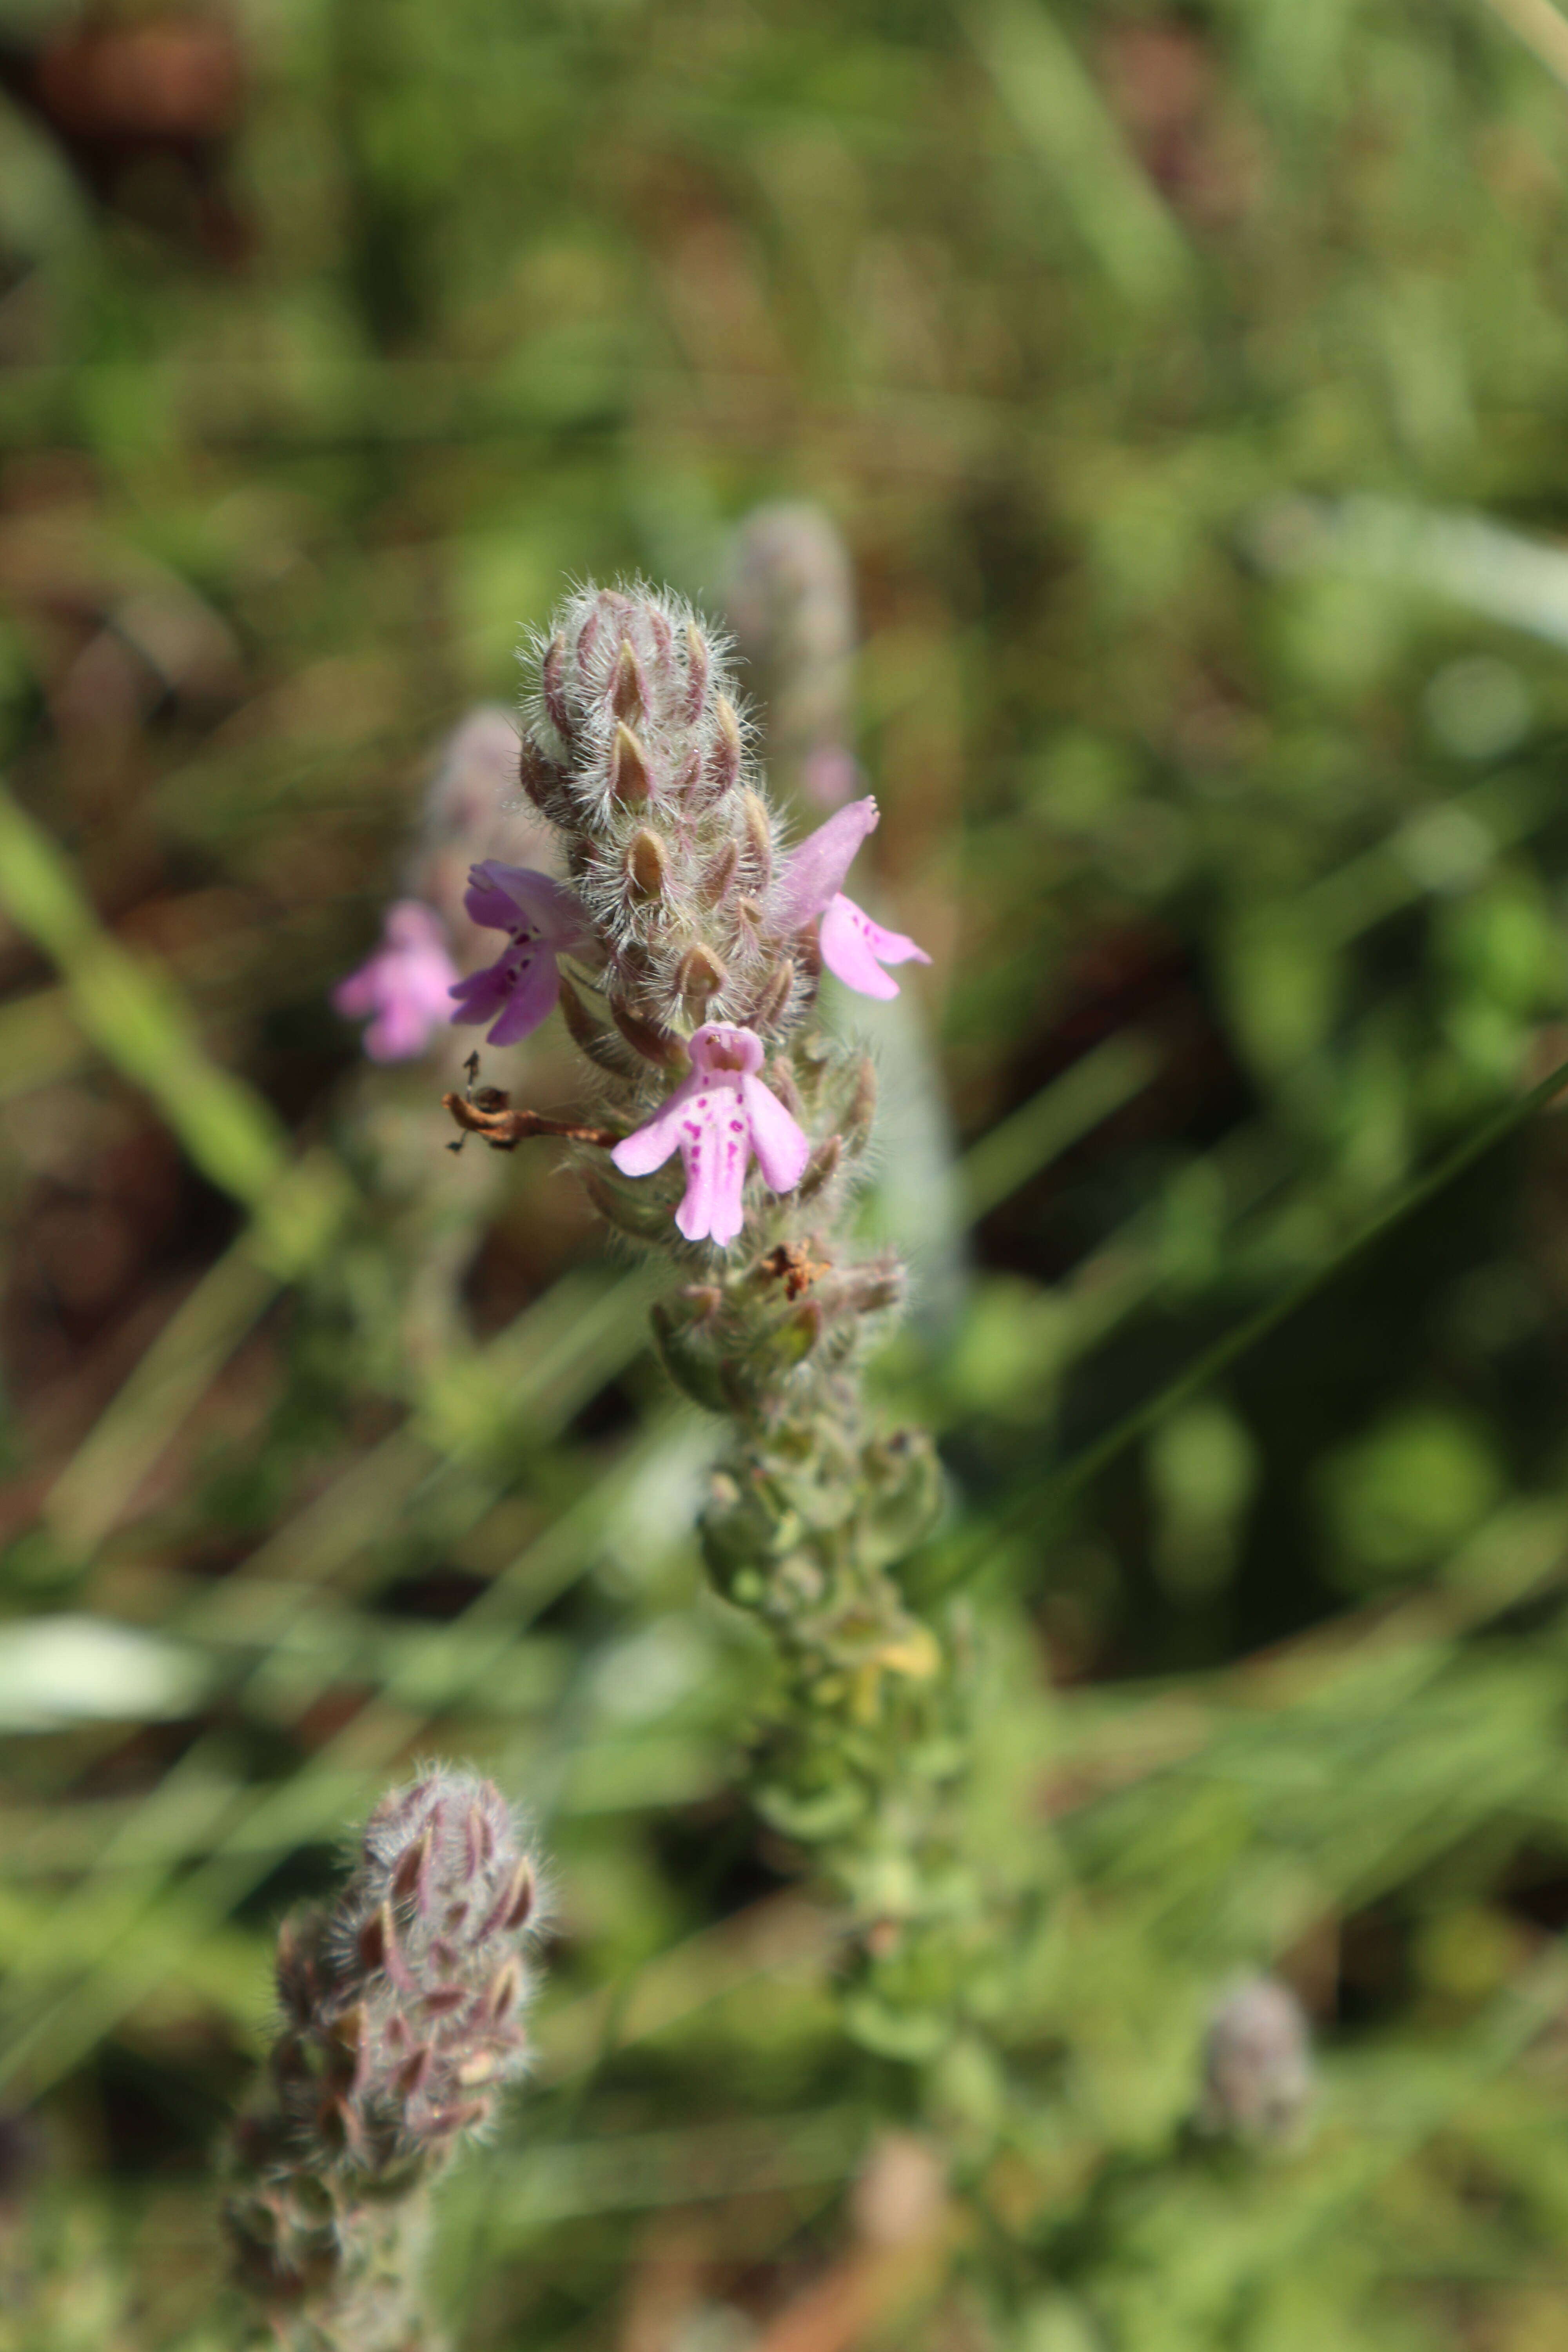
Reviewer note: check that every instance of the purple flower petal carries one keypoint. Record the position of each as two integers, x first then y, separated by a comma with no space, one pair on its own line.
396,1034
718,1048
855,949
781,1144
818,866
544,905
482,997
715,1147
533,998
488,908
650,1145
700,1149
729,1151
357,995
404,984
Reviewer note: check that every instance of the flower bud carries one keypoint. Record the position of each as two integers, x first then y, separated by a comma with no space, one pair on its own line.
775,996
696,674
719,879
820,1169
411,1876
688,1357
653,1044
759,838
609,1051
631,1209
628,695
552,676
700,974
724,758
861,1112
871,1289
545,785
629,777
646,865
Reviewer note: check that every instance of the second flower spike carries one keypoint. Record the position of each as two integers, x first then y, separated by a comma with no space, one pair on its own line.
717,1118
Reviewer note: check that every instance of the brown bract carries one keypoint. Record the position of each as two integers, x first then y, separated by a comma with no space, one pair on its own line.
489,1113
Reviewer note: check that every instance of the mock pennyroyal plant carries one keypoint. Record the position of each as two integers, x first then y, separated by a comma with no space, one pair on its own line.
542,920
404,987
731,1125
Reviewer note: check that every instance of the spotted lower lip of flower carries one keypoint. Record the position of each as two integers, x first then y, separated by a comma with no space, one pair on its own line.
541,918
402,988
717,1118
854,948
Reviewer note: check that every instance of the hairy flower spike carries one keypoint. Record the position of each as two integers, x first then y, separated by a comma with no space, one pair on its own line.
734,1125
370,2087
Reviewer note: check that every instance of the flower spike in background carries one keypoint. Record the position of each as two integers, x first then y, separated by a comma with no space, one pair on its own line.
854,948
404,986
401,2019
520,990
717,1117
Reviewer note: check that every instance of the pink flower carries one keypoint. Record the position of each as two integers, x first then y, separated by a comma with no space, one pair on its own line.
853,946
404,984
716,1119
540,918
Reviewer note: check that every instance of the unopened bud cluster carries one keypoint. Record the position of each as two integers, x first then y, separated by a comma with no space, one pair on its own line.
638,752
686,947
402,2018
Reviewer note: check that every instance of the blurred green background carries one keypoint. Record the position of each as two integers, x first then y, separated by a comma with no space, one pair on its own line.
1189,388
